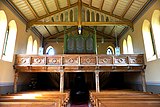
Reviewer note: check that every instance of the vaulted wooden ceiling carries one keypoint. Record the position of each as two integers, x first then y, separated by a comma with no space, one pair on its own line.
39,14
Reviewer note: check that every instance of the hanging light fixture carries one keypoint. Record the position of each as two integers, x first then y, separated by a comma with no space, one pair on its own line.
79,30
117,48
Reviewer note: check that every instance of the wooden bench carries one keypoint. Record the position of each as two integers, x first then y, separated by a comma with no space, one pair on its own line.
35,99
123,98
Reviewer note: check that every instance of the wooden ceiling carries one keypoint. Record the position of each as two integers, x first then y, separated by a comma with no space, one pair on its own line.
39,14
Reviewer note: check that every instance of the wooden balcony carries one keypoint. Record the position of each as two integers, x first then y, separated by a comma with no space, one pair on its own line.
79,63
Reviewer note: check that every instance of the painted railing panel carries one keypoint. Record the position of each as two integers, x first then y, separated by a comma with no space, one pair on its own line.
80,62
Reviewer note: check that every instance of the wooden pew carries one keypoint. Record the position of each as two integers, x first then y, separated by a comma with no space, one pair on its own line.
123,98
41,99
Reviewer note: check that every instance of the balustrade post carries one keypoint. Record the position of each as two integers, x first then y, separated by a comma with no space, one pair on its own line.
97,81
62,81
143,81
15,81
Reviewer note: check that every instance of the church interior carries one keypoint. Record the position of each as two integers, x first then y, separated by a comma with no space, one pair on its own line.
79,53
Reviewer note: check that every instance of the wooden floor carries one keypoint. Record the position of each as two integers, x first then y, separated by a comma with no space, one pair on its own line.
107,98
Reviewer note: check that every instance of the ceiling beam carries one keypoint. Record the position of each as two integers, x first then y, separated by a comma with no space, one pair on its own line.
54,12
112,31
107,24
53,24
79,13
83,24
99,40
114,6
104,29
68,3
60,33
31,8
47,30
101,5
90,3
44,6
98,33
104,12
127,8
57,4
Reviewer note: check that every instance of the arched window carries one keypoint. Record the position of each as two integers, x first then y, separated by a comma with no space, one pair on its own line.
61,17
125,51
97,17
3,26
93,17
102,18
29,45
156,28
35,47
129,45
88,15
71,15
50,50
150,54
10,41
110,50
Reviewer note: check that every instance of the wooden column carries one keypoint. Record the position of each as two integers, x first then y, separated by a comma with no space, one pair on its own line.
143,81
62,81
15,81
97,81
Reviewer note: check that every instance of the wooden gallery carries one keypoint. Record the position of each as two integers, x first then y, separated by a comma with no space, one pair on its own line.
79,53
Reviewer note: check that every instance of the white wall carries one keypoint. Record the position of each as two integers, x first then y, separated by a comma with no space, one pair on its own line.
152,71
6,68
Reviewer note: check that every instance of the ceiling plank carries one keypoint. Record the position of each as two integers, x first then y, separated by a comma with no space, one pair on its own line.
31,8
98,32
114,6
101,5
104,29
55,12
57,4
68,3
104,12
60,33
47,30
112,30
127,8
15,8
44,6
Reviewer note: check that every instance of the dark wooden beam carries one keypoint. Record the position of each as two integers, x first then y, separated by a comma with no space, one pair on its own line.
47,30
57,4
98,33
68,3
90,3
101,5
44,6
114,6
61,33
